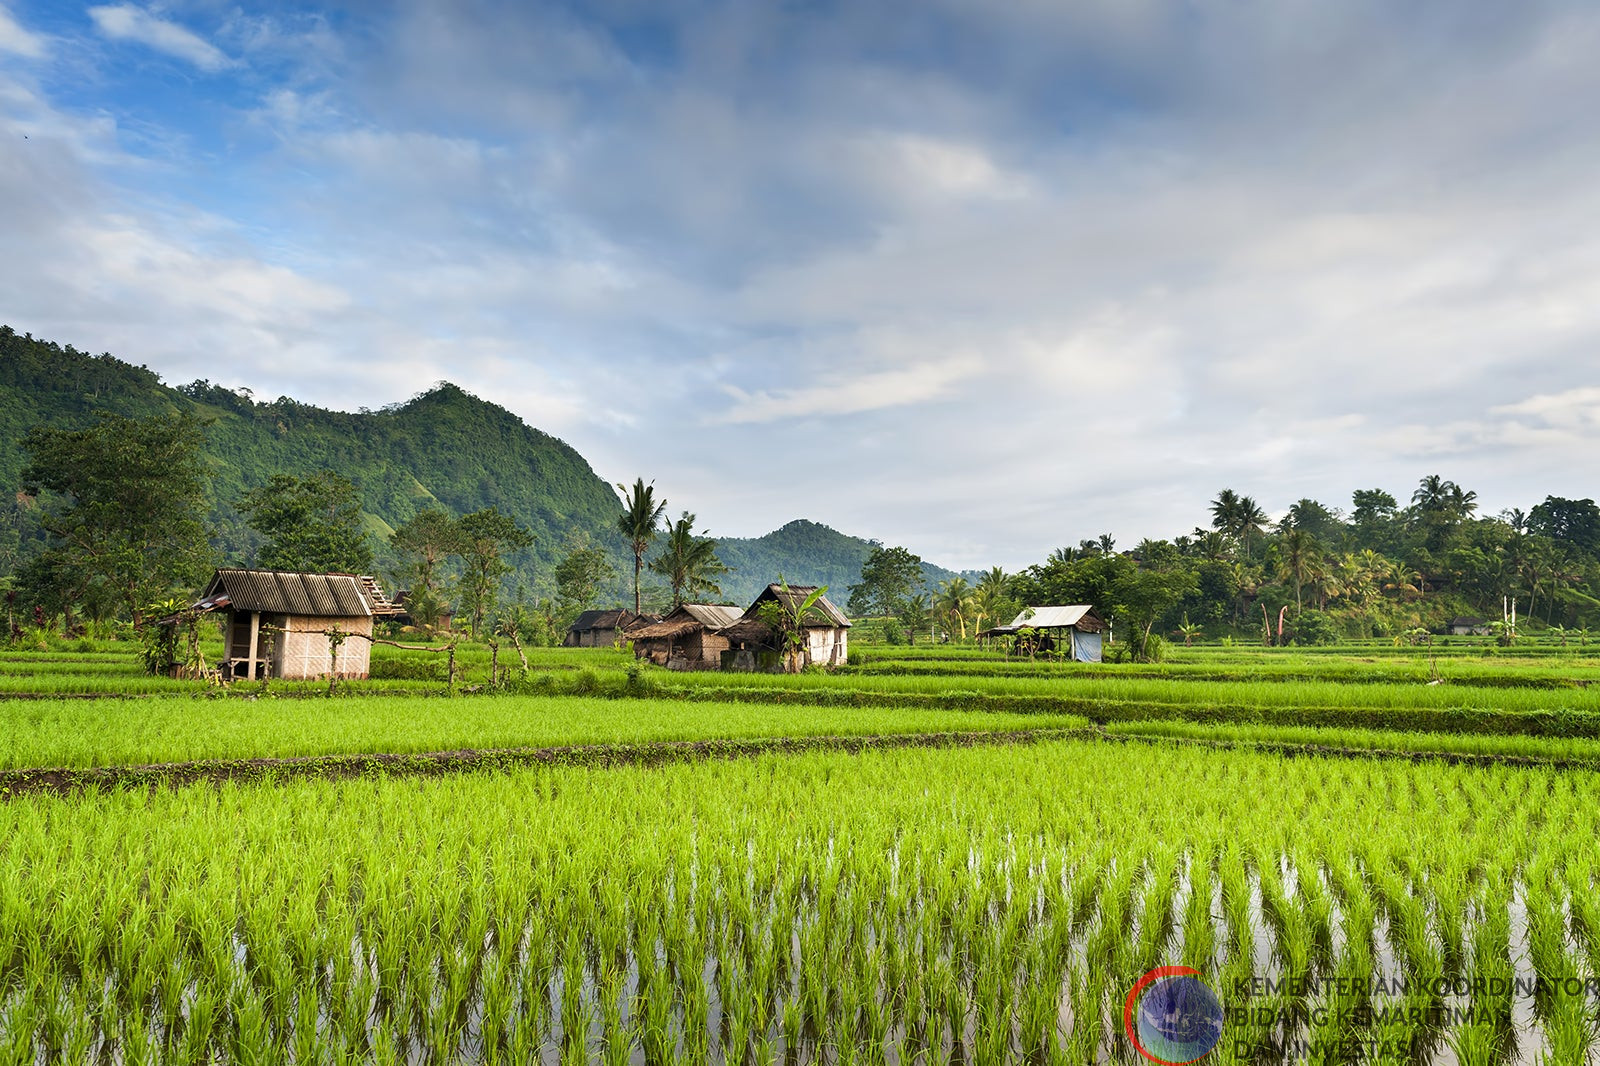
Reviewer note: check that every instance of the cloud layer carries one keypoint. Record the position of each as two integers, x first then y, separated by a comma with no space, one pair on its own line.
979,282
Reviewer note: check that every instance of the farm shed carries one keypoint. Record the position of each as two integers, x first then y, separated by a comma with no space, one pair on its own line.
1467,627
1076,628
402,600
602,629
278,620
690,638
754,646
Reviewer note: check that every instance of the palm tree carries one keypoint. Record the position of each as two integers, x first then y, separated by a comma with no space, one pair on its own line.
689,563
640,516
914,615
1252,519
1299,550
953,601
1107,544
1225,512
989,598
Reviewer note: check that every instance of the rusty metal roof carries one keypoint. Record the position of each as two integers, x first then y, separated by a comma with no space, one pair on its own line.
288,592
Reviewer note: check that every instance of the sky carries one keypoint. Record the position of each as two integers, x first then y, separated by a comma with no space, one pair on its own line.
979,279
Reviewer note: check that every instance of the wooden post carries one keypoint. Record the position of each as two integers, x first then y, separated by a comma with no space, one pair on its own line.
255,637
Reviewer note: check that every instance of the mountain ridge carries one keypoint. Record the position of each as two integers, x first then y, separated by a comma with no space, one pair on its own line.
444,446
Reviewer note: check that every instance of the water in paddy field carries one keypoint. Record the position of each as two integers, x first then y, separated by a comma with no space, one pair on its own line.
777,1017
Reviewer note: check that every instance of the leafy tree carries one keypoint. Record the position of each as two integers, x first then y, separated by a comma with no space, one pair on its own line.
641,514
689,562
311,524
124,512
580,575
487,536
1574,522
1315,519
424,545
1141,597
888,577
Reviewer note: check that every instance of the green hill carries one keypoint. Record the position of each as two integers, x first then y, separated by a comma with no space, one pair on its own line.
804,553
444,446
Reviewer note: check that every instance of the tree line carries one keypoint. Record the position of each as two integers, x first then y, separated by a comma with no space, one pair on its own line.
1314,575
123,503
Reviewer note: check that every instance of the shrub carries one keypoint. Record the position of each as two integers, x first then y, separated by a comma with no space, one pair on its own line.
1315,627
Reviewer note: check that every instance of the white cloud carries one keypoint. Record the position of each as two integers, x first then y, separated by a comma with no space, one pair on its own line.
125,22
17,40
850,392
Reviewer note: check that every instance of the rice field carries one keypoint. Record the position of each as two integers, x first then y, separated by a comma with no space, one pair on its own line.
1288,824
882,907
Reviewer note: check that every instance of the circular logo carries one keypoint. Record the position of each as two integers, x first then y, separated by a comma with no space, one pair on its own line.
1172,1017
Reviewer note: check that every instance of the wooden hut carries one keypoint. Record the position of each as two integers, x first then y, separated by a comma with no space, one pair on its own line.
278,622
690,638
603,629
1075,630
754,646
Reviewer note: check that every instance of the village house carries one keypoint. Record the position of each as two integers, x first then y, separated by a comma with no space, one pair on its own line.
753,645
278,622
1074,630
603,629
689,638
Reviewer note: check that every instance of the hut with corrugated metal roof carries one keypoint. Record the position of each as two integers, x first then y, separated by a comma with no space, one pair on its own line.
754,645
1074,630
278,622
690,638
603,629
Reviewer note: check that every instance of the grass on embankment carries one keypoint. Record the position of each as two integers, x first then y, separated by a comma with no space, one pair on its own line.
88,733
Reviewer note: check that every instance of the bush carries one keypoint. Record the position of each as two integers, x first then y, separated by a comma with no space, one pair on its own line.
1315,627
407,670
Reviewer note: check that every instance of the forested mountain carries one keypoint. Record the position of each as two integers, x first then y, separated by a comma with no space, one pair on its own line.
443,448
804,553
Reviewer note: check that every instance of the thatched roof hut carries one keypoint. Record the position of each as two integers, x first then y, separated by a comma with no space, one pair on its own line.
689,638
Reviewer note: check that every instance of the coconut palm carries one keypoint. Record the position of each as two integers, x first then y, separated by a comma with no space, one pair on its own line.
953,602
1225,512
1252,519
641,514
1299,550
689,563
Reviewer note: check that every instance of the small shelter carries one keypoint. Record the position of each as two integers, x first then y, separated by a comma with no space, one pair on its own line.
402,599
689,638
1464,626
603,629
278,622
754,646
1076,629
